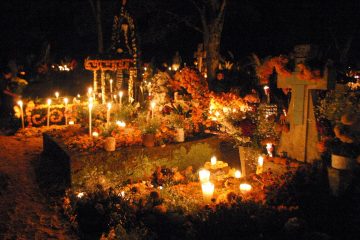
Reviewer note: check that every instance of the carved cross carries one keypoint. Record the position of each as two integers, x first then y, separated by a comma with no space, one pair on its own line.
299,91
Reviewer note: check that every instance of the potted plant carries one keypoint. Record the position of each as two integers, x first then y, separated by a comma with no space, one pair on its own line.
177,122
149,129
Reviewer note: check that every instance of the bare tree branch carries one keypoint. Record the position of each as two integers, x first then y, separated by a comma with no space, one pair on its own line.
184,20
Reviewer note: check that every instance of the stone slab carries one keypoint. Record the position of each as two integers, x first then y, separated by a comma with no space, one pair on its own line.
86,170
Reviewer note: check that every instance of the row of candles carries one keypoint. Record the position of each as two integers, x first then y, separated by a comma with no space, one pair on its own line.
208,187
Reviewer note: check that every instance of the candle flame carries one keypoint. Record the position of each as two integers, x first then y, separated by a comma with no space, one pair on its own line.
66,100
109,105
121,94
49,101
213,160
153,104
204,175
20,103
57,94
245,187
237,174
260,161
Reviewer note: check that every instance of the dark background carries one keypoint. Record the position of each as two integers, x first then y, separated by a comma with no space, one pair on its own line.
262,27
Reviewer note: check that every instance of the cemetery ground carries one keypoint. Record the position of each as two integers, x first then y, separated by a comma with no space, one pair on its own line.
25,213
297,206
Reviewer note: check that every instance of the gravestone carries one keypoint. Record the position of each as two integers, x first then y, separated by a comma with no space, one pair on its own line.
200,55
300,142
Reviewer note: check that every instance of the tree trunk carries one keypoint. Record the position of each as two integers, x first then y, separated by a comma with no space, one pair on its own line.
99,27
212,39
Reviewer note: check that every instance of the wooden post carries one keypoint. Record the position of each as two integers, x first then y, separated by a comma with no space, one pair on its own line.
103,99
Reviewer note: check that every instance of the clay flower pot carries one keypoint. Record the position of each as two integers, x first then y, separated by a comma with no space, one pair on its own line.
110,144
148,139
180,135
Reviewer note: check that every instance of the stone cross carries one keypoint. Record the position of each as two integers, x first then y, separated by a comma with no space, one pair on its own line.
300,141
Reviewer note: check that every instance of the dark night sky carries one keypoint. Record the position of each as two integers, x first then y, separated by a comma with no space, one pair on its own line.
260,26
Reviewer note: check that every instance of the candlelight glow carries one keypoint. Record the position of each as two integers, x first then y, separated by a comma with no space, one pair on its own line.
109,105
80,195
121,123
269,148
90,90
208,191
20,103
237,174
71,122
153,104
95,134
121,94
245,188
260,161
57,94
111,81
66,100
204,176
213,160
49,101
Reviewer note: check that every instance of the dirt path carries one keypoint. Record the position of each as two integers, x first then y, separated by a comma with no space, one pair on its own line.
24,212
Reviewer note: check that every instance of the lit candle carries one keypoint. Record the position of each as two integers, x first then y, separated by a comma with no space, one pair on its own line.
208,191
120,97
90,90
153,104
237,174
108,114
267,93
120,123
66,103
95,134
90,108
71,122
269,148
204,176
245,188
57,95
259,168
48,112
115,97
111,82
213,160
20,103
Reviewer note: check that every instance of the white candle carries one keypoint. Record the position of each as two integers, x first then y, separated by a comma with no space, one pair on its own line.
66,103
108,114
111,82
120,97
153,104
213,160
259,168
90,108
237,174
208,191
48,112
245,188
20,103
204,176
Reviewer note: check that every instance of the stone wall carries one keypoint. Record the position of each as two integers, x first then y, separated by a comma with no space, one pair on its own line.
86,170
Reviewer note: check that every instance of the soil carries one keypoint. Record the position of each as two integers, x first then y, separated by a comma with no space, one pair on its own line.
25,212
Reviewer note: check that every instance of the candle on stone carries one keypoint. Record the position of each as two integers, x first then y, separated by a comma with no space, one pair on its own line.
20,103
204,176
259,168
108,114
120,97
245,188
57,94
66,103
153,104
237,174
213,160
48,112
207,190
90,109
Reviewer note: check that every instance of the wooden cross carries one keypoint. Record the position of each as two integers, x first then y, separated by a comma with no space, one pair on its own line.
300,142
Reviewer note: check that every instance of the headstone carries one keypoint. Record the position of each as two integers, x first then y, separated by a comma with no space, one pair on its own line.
300,142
